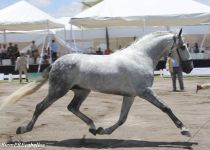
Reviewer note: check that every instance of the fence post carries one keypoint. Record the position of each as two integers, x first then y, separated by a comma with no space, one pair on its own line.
10,78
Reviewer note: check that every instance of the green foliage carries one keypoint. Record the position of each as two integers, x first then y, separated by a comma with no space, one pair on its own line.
90,3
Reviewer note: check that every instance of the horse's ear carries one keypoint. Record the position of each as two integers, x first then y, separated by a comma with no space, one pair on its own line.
180,33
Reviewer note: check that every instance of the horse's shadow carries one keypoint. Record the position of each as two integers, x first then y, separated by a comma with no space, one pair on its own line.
113,143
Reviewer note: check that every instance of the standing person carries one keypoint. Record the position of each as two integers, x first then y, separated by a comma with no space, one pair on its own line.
11,51
4,52
173,65
99,52
22,66
45,56
54,50
202,86
107,51
17,53
196,48
34,51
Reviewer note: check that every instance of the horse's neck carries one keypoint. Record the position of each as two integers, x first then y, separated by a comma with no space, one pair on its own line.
155,48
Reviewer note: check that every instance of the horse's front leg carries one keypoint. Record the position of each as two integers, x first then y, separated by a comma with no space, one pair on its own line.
79,96
150,96
126,105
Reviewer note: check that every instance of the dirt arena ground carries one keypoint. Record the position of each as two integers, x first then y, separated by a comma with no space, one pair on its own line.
146,127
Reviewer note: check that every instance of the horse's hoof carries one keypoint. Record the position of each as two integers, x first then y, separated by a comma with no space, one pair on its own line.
93,131
186,132
100,131
19,130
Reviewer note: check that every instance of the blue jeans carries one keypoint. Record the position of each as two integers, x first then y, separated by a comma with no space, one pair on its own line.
177,72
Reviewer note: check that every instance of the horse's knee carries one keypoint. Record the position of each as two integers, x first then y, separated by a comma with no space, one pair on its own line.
72,108
39,107
166,109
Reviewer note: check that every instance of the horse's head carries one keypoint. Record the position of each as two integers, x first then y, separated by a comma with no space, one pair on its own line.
183,53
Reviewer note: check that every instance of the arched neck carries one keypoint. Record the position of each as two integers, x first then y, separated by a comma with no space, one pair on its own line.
153,47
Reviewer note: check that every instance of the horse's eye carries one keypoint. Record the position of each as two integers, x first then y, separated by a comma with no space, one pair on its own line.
183,47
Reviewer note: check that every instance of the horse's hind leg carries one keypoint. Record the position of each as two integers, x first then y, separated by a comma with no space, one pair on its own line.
39,109
150,96
53,95
79,96
126,105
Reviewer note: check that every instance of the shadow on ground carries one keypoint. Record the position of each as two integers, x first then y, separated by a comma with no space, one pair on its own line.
113,143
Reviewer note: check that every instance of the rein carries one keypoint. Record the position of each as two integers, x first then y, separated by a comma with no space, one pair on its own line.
179,55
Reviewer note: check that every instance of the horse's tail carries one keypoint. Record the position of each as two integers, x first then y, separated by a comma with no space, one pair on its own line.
27,89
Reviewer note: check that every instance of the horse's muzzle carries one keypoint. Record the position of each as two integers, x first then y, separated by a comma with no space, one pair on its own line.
187,66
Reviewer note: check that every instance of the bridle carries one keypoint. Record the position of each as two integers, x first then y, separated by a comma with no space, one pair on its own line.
184,64
177,48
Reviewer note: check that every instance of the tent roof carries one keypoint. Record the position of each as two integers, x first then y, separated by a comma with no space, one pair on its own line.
139,13
24,16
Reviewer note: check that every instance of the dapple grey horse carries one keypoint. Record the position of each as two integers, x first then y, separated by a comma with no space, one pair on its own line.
129,72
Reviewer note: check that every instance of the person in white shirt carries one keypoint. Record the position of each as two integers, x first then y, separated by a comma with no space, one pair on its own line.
22,66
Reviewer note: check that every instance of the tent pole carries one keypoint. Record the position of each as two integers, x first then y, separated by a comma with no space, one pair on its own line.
65,37
4,35
144,26
42,53
73,38
107,38
49,40
82,37
203,40
65,34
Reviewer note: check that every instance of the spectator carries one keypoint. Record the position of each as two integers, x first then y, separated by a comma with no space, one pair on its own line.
173,65
34,51
22,66
107,51
54,50
99,52
17,54
4,52
119,47
45,56
12,52
188,47
196,48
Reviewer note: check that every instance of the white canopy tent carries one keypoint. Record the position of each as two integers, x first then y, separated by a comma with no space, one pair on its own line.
143,13
22,16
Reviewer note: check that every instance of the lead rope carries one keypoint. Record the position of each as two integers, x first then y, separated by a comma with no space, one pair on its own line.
196,133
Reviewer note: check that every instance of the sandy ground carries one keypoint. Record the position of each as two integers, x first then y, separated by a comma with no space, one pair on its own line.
146,127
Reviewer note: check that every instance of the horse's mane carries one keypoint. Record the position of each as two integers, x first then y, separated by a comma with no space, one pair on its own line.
147,38
150,36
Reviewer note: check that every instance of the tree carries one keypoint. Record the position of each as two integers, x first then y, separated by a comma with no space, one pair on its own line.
88,4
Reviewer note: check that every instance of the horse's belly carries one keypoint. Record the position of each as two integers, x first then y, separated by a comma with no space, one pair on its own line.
110,84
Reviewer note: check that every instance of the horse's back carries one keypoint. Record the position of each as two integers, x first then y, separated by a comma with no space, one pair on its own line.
114,74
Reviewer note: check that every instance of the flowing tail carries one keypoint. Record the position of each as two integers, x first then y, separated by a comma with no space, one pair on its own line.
26,90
